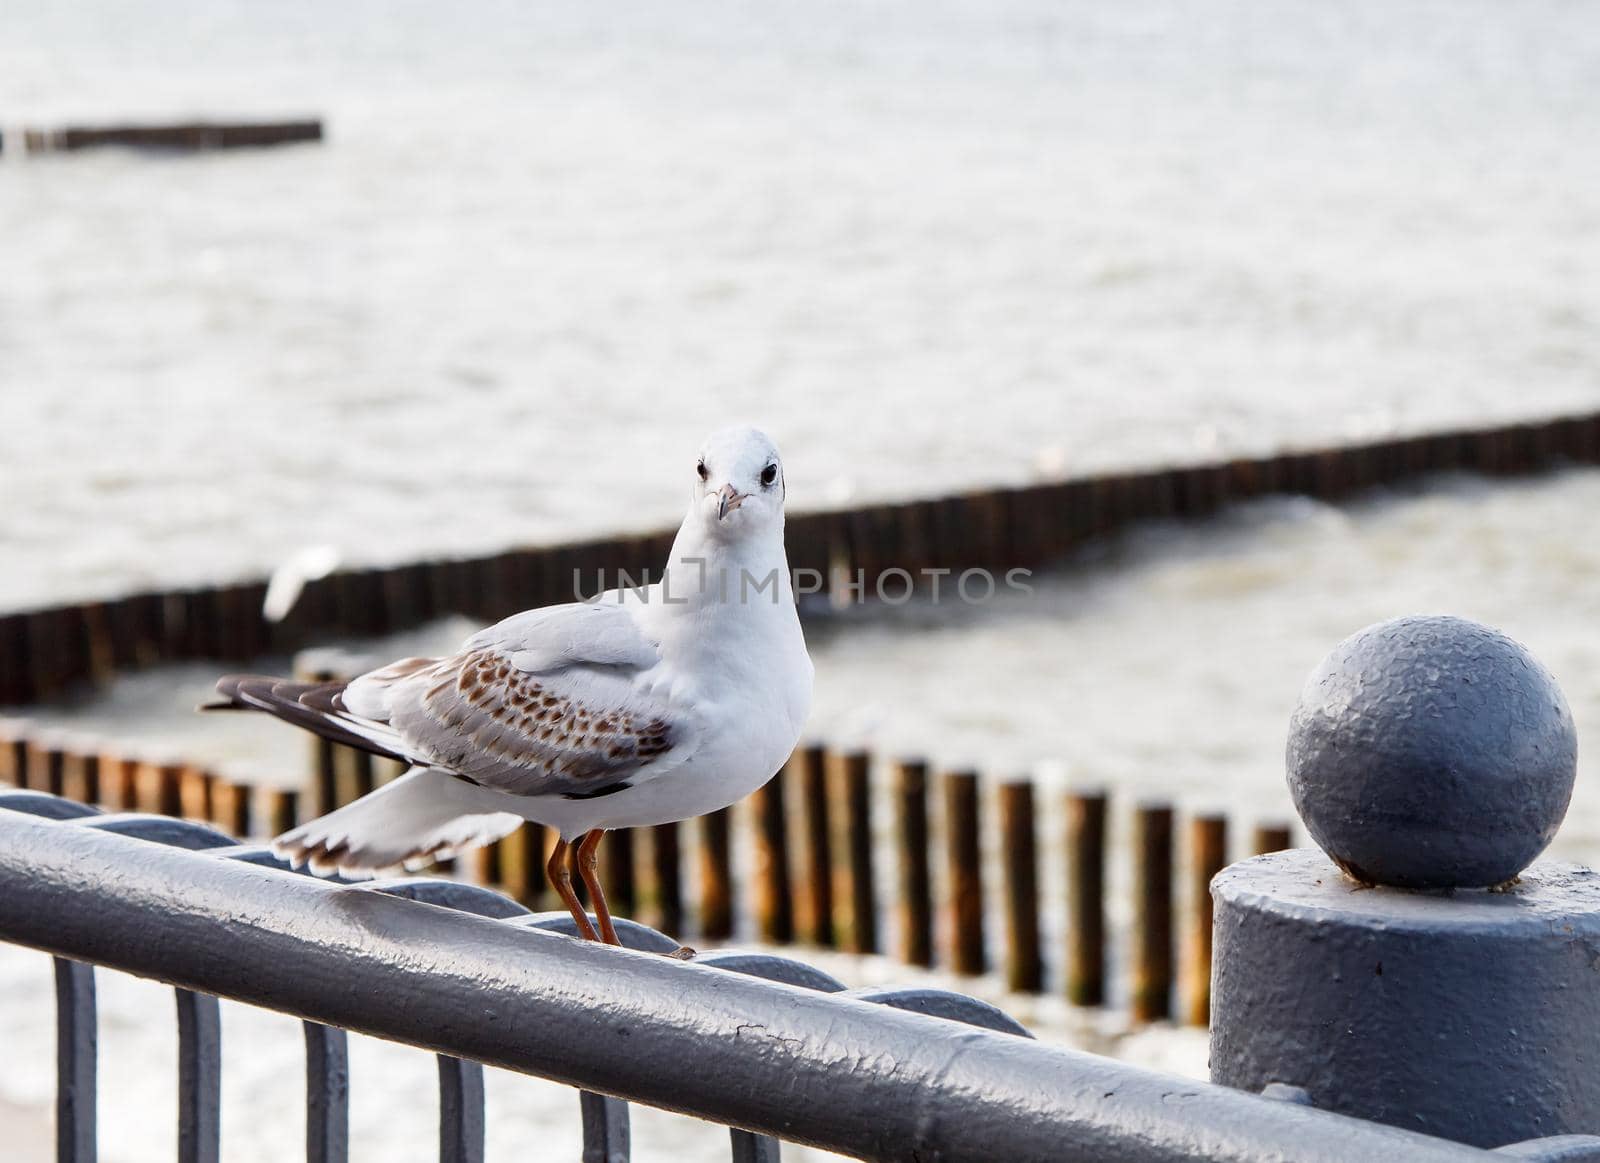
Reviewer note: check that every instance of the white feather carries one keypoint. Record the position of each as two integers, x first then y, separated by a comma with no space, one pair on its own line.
422,815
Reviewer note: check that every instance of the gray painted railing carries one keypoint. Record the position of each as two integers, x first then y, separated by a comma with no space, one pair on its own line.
874,1073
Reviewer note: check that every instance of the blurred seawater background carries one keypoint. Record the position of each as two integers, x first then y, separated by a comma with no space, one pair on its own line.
928,245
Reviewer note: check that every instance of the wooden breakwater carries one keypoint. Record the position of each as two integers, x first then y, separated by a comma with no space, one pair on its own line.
842,850
43,651
188,136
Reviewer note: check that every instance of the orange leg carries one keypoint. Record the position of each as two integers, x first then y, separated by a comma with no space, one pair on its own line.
584,858
561,878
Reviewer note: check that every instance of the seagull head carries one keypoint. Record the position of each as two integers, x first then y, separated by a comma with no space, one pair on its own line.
739,486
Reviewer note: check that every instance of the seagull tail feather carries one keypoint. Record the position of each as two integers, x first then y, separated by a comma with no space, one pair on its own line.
424,815
316,706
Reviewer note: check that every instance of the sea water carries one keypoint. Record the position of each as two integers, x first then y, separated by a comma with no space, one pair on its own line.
546,247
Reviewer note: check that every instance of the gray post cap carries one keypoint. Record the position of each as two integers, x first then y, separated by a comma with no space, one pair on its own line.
1431,752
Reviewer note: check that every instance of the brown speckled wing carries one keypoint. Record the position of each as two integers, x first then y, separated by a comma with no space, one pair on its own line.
574,731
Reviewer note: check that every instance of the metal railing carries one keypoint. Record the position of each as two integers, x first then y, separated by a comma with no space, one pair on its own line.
779,1049
817,825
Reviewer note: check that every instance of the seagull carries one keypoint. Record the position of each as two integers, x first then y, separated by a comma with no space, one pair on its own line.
644,705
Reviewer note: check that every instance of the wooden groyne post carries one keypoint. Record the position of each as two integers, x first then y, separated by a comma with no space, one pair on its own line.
1020,868
964,865
811,776
851,772
916,879
191,136
716,876
1208,853
774,901
1085,846
1152,902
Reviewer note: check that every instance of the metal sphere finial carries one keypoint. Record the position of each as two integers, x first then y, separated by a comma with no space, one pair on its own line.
1431,752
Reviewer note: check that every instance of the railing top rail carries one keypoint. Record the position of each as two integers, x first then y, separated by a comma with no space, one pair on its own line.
828,1070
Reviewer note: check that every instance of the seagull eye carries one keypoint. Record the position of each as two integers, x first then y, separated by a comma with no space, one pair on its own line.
702,470
769,474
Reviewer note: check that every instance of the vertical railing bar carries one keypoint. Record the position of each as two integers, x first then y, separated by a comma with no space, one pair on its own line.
460,1110
77,1039
199,1078
751,1148
327,1094
607,1137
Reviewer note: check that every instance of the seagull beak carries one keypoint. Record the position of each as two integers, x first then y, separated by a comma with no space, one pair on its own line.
728,499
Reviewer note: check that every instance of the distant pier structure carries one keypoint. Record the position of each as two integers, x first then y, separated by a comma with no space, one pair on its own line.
186,136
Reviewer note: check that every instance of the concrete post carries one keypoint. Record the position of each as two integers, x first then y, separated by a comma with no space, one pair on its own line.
1416,971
